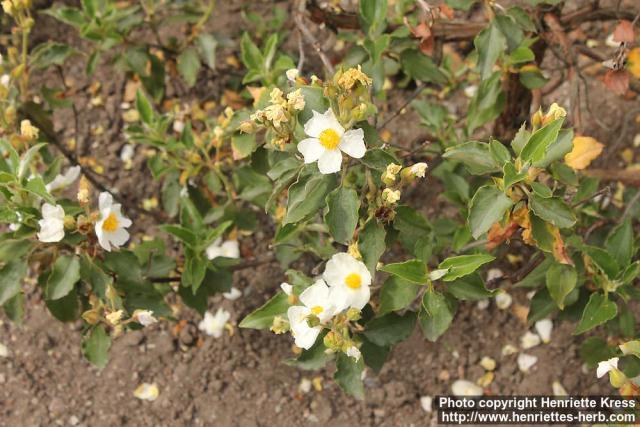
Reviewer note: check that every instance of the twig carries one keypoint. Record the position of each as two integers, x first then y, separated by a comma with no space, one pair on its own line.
298,18
300,52
411,97
604,190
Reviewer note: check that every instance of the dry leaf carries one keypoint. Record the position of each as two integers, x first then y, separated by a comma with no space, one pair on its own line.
634,62
624,32
617,81
498,234
559,249
585,150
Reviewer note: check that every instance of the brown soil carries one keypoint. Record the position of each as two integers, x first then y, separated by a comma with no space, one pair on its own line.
241,380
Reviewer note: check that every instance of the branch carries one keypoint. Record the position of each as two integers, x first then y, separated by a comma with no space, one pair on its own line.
298,18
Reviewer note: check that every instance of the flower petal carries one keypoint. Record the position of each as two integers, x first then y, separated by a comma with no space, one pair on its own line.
320,122
352,143
316,294
105,200
330,162
311,149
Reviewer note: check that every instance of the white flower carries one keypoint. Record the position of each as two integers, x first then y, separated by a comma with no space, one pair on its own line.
526,362
144,317
14,226
110,229
503,300
529,340
227,249
427,403
470,91
354,352
349,280
606,366
465,388
233,294
4,80
292,74
146,391
328,140
418,170
178,126
286,288
51,224
64,180
544,328
214,325
316,302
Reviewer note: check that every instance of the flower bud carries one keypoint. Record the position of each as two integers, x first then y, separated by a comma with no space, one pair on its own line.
92,316
27,130
292,74
412,172
279,325
333,341
390,197
247,127
389,175
114,317
353,314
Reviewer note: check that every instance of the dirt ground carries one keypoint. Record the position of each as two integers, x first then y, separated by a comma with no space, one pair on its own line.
242,380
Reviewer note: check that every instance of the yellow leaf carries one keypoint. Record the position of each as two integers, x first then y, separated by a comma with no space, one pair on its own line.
585,150
633,60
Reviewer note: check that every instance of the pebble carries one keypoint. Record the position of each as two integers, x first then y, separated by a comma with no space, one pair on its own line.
488,363
544,328
4,351
426,402
529,340
465,388
503,300
526,362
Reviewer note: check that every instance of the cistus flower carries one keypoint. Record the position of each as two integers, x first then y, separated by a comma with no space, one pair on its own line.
51,224
64,180
354,352
111,228
606,366
328,140
286,288
317,302
214,325
349,280
144,317
226,249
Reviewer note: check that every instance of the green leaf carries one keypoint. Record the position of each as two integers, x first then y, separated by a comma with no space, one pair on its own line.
512,176
50,53
390,329
561,279
189,66
413,270
487,207
490,43
373,14
183,234
11,276
552,210
619,243
469,288
374,355
541,190
475,156
65,309
396,294
95,346
94,276
436,314
349,375
144,107
378,159
535,149
421,67
603,260
251,55
499,152
598,311
207,45
64,275
14,308
342,216
462,265
68,15
307,196
371,243
541,306
557,150
531,77
262,318
596,349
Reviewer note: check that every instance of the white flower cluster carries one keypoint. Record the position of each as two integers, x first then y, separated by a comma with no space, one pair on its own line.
344,284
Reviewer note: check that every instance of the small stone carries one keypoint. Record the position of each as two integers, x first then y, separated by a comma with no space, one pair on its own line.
483,304
146,391
558,389
503,300
73,420
305,385
486,379
529,340
544,328
444,375
488,364
426,403
4,351
465,388
526,362
494,274
509,349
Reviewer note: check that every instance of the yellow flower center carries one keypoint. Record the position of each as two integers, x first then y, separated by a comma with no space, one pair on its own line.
317,310
353,280
111,223
329,139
